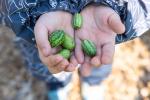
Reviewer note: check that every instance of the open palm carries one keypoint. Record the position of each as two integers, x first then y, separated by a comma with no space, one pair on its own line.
100,25
45,25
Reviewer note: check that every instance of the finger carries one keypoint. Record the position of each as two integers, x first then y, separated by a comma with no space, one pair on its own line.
62,65
70,68
86,68
72,65
55,59
41,36
78,51
107,53
96,61
69,30
52,61
73,60
115,23
55,50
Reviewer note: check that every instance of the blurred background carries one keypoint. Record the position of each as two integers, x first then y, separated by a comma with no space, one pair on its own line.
129,80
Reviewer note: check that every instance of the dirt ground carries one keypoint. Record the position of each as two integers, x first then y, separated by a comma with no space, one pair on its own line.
15,82
130,78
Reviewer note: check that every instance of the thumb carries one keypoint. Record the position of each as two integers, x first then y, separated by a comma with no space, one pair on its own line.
115,23
41,36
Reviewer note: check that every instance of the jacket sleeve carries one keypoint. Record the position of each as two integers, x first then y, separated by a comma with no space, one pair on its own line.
135,14
21,15
137,20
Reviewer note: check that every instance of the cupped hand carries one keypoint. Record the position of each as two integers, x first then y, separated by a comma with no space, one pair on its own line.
45,25
100,25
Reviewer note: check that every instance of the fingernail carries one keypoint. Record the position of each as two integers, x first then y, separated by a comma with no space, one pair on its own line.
58,58
95,62
72,67
63,67
81,60
85,72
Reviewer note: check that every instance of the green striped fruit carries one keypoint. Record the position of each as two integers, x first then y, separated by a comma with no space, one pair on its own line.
57,38
69,42
89,48
77,21
65,53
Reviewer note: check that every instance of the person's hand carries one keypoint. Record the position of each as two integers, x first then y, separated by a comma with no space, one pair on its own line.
45,25
100,25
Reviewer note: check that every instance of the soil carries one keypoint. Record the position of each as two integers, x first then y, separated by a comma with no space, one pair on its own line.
15,82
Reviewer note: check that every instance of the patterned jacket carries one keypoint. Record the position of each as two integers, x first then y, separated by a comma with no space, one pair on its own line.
21,15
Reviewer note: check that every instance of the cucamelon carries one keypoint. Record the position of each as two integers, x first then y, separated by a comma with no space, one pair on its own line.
89,48
57,38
